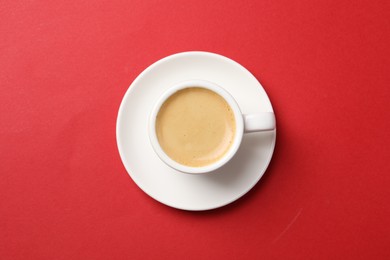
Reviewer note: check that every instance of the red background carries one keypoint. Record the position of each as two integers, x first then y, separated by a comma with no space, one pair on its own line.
65,66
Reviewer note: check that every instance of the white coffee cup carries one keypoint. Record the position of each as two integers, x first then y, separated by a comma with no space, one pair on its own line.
243,124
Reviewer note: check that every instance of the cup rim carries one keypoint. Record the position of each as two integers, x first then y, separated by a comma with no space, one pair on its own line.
237,115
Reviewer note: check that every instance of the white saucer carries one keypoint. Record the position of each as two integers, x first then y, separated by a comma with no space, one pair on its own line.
187,191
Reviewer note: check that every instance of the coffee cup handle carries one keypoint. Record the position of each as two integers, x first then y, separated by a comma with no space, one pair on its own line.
259,122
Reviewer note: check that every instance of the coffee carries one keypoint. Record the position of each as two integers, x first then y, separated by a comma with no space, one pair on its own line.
195,127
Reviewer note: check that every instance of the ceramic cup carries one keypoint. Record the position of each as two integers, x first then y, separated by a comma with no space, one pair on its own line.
243,124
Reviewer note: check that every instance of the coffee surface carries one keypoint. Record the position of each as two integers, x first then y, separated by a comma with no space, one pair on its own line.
195,127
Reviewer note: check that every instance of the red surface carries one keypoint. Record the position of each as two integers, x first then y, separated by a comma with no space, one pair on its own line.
65,66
